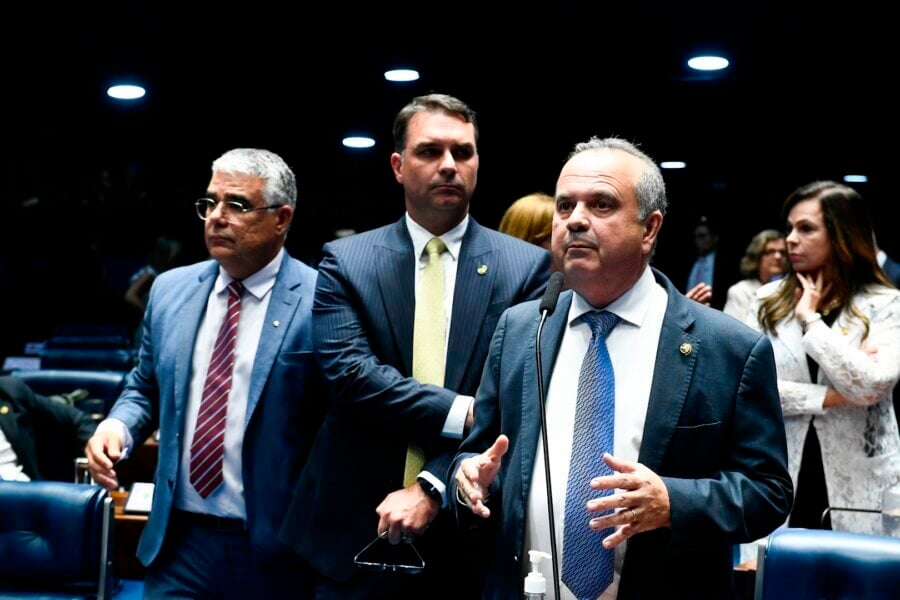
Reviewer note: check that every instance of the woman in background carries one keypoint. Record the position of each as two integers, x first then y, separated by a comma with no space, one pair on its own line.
763,261
834,323
530,218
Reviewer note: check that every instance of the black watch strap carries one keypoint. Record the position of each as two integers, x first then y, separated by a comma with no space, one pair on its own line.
430,489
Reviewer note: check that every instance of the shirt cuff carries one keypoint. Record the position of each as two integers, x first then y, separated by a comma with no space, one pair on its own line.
455,425
119,428
438,484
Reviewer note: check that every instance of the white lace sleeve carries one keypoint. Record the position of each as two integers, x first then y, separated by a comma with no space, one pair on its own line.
861,378
801,398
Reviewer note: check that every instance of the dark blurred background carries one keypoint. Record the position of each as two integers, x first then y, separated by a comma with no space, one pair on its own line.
87,185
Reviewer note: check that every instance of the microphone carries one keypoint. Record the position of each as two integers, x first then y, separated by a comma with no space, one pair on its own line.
551,295
546,308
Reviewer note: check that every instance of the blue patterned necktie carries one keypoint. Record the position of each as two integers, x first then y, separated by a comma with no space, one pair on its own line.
587,567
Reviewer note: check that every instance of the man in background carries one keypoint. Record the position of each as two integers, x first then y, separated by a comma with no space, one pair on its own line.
403,318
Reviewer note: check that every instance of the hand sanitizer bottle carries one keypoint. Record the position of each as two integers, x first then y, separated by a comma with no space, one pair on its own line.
535,584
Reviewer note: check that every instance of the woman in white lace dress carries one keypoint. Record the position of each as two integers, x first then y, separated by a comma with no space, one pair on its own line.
834,323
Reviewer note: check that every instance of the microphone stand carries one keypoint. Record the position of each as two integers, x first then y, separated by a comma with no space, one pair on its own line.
540,381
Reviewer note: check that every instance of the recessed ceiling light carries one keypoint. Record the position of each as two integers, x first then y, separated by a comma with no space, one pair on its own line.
673,164
126,92
855,178
358,141
401,75
708,63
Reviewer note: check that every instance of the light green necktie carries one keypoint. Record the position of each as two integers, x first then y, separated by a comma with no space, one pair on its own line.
429,340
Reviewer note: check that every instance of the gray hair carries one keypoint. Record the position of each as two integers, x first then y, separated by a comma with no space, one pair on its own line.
650,187
281,185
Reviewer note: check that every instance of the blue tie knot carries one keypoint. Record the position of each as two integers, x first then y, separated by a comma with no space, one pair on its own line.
601,322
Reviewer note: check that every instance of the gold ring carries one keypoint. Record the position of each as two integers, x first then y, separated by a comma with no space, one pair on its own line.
633,515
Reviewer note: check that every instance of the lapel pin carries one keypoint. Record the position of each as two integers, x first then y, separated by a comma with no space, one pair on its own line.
276,323
685,349
4,409
482,269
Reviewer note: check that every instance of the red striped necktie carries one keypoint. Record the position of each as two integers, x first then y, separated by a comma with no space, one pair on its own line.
208,447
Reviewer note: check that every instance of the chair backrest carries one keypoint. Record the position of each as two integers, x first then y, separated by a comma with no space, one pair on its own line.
55,538
99,359
818,563
105,385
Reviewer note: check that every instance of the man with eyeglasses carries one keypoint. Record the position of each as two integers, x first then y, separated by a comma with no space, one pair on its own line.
226,373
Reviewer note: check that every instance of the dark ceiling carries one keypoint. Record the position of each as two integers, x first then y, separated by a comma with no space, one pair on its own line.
809,95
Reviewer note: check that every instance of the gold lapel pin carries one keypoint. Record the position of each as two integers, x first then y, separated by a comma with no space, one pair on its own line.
685,349
4,409
276,323
482,269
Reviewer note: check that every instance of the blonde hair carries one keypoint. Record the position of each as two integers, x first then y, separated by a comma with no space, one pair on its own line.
529,218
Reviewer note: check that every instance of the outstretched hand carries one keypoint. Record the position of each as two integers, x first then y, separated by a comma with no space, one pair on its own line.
476,474
642,501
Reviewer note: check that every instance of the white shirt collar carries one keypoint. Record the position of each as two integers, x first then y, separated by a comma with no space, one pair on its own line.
632,306
257,284
421,236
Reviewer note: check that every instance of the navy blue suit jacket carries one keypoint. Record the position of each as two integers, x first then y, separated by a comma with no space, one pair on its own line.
364,312
286,399
713,432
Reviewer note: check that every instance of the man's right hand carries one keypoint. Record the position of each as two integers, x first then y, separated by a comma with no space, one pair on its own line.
102,451
476,473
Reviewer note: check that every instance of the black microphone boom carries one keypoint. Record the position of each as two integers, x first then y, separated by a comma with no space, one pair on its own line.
548,305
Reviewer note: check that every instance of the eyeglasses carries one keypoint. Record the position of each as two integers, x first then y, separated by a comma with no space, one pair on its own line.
774,251
381,555
230,208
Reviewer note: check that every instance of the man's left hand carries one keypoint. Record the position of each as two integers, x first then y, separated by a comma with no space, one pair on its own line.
405,513
642,501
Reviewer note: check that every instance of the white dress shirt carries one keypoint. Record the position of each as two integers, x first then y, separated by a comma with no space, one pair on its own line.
10,469
632,346
455,424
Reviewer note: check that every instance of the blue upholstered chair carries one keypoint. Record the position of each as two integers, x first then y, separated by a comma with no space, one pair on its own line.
103,385
796,564
55,540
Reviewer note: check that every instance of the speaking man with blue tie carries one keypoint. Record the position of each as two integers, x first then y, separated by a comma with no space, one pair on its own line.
663,418
403,317
226,372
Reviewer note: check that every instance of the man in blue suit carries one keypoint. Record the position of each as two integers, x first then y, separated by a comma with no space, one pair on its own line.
357,483
226,372
696,454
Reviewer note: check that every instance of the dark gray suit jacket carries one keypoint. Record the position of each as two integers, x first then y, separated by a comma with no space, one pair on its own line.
713,431
363,313
45,435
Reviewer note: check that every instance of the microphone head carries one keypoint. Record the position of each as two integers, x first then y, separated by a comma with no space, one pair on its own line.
551,295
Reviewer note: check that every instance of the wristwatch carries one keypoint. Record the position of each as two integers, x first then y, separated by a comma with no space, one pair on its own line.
430,489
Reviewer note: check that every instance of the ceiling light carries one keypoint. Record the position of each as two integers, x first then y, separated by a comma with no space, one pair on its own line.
358,141
401,75
126,92
708,63
673,164
855,178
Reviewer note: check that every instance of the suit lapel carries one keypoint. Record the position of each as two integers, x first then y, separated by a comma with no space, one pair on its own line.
551,339
396,279
672,375
475,274
282,307
187,325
